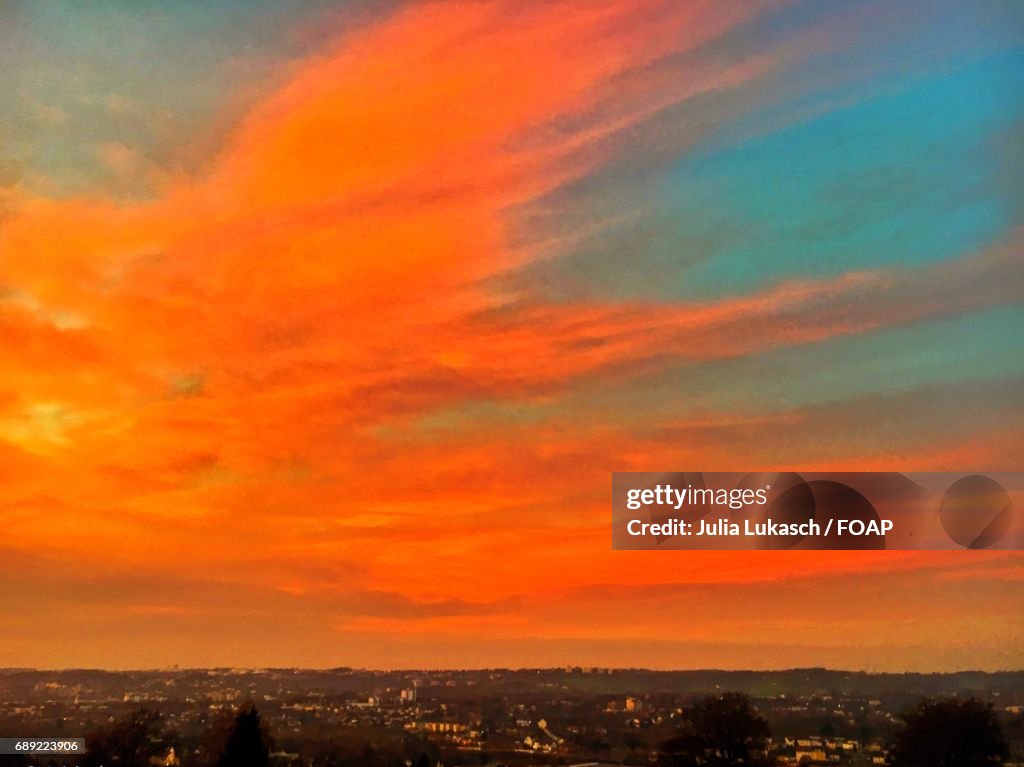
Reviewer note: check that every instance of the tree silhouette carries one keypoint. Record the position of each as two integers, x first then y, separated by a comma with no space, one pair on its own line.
420,752
720,732
950,733
246,744
130,742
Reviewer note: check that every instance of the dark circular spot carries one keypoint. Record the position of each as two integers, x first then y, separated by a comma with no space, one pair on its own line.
976,511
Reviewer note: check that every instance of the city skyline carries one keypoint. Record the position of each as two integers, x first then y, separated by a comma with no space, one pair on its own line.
345,716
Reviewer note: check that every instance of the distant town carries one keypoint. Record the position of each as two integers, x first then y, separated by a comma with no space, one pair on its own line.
512,717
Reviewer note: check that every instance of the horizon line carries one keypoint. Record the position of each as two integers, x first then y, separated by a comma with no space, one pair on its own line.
483,669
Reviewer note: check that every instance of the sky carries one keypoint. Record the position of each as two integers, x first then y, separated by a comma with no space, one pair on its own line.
323,325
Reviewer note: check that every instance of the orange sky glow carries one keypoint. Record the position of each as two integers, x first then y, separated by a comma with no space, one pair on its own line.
294,406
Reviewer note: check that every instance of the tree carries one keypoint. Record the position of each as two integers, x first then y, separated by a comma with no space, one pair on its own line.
130,742
720,731
950,733
631,741
246,744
